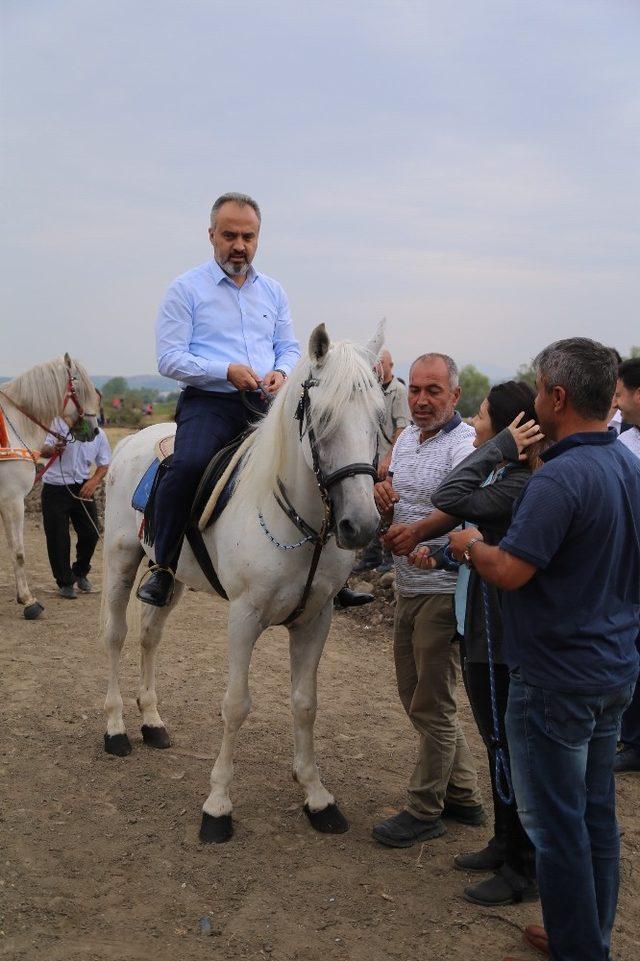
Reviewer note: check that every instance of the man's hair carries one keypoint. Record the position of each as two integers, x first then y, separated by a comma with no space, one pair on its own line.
452,367
243,200
585,369
629,373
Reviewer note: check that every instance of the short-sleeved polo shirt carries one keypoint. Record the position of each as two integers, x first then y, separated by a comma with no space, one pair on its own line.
417,471
396,413
573,626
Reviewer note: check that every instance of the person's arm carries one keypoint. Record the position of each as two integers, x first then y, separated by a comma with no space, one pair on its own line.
461,493
286,348
174,329
90,486
402,539
540,525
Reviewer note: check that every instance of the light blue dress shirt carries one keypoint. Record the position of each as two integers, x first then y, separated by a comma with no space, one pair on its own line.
206,322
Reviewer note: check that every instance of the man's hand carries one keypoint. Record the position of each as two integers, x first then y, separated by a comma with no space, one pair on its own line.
243,377
88,489
385,497
422,559
383,466
458,541
273,381
401,539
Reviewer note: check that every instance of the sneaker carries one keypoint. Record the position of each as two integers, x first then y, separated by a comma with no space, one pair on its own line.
83,585
68,592
627,759
403,829
505,887
473,814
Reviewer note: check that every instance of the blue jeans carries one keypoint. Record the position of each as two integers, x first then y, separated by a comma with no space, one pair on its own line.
630,731
562,748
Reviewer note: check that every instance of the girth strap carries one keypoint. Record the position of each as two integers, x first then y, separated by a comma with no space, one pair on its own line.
201,554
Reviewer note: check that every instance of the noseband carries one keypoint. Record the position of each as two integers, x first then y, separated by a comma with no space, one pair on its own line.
325,482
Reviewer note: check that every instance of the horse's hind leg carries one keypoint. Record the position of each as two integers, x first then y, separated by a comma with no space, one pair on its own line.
13,520
152,622
306,643
244,629
121,560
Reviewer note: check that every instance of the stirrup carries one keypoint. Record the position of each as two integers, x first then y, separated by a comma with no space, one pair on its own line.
153,568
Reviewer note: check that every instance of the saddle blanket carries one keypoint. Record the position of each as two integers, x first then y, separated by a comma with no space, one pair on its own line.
215,488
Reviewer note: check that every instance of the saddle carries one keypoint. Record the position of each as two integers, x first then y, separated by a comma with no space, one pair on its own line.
212,496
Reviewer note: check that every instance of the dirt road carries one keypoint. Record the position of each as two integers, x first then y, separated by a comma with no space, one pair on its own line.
101,858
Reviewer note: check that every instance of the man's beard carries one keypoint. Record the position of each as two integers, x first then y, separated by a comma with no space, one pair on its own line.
235,270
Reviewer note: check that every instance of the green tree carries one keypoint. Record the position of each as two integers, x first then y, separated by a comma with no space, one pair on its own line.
116,387
527,373
475,387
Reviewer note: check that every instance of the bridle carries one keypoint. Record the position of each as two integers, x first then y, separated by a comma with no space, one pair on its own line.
69,395
324,482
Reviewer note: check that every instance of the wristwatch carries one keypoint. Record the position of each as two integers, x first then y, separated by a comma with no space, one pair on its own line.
467,551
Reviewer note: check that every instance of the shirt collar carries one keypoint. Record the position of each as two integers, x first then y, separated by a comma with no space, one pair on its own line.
219,274
595,438
445,429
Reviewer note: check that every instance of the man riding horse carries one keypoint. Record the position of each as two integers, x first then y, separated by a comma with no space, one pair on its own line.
222,329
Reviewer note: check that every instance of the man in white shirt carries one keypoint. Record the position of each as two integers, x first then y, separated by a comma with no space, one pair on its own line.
444,780
67,497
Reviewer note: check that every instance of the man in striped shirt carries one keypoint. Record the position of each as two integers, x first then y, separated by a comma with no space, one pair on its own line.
444,780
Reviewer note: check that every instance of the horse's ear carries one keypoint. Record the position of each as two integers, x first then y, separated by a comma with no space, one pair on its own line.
67,360
318,344
375,344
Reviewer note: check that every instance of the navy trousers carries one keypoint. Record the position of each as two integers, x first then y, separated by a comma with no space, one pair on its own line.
59,508
207,422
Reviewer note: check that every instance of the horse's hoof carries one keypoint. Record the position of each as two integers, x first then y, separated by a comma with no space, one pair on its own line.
216,830
32,611
155,736
117,744
330,820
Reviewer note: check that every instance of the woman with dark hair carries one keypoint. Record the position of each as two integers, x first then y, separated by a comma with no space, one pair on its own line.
483,490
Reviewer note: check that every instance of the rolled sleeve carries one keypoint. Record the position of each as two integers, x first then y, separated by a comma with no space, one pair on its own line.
542,518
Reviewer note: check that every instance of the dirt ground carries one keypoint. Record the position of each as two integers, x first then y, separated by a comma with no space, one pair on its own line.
100,856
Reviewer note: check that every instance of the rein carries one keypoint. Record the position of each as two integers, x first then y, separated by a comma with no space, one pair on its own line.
325,482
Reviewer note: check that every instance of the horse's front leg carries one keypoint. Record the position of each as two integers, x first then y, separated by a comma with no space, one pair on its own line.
306,643
13,520
244,630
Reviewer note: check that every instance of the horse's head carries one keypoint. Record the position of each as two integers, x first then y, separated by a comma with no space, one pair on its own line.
340,414
80,404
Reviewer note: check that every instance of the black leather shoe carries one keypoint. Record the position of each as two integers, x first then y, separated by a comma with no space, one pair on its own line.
348,598
488,859
403,829
157,589
473,814
627,759
505,887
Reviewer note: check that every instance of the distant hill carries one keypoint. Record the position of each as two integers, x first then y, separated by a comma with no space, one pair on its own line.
139,380
135,381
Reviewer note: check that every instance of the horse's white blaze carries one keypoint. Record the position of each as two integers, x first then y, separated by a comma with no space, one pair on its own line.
264,583
40,391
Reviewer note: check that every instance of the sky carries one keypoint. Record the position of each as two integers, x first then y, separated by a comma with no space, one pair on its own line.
470,171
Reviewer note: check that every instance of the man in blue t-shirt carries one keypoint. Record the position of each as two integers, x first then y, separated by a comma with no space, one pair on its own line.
571,559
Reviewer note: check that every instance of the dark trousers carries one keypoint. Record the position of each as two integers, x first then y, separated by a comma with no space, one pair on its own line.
207,422
510,840
630,730
59,508
562,749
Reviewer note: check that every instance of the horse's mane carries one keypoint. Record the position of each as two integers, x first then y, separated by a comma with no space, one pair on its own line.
40,390
345,378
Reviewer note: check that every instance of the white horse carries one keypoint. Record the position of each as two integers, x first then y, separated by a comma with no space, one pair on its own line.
57,388
320,434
